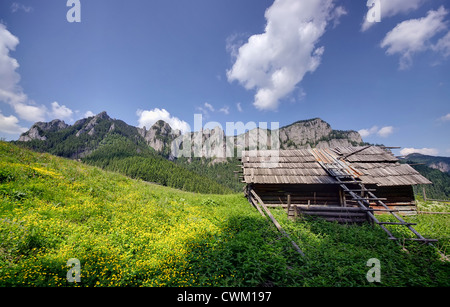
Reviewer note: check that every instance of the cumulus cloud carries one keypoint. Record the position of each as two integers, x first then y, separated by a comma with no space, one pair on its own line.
413,36
445,118
389,8
149,117
10,125
9,78
274,62
383,132
443,45
89,114
30,112
10,91
366,132
61,112
423,151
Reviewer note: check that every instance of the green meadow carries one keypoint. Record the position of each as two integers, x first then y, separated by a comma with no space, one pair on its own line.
128,232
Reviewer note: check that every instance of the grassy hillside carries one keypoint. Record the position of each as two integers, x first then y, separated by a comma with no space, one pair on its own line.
132,233
118,147
119,154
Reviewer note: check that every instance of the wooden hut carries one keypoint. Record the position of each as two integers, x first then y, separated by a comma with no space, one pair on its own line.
299,179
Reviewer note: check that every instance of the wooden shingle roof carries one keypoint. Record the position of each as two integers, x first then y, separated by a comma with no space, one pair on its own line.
374,165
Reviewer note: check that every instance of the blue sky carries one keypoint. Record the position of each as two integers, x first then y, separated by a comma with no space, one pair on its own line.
232,60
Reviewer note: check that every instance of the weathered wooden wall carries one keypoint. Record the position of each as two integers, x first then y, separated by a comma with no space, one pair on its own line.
326,200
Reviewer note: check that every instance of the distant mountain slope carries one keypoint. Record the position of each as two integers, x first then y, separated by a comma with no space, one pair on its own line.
112,144
316,133
439,163
436,169
440,189
85,135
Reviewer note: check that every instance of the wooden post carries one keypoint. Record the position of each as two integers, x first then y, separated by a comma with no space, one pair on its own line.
342,198
275,222
424,194
288,204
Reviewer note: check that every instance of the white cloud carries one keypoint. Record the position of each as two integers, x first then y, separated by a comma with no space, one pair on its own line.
10,125
205,109
413,36
209,107
273,63
423,151
225,110
31,113
445,118
61,112
148,118
443,45
10,91
383,132
391,8
9,78
15,7
239,107
366,132
89,114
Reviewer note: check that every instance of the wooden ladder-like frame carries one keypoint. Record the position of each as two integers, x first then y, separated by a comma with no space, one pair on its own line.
344,176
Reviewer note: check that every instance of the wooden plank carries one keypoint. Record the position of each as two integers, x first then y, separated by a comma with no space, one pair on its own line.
330,208
415,239
355,152
335,214
256,205
395,223
288,204
275,222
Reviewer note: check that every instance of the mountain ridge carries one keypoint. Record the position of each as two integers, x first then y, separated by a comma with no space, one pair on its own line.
147,154
301,134
436,162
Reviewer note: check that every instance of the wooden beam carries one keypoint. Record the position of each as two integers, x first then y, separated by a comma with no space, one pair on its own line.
256,205
288,203
275,222
355,152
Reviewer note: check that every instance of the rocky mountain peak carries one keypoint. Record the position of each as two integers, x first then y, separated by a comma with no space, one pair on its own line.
159,136
38,130
90,127
301,134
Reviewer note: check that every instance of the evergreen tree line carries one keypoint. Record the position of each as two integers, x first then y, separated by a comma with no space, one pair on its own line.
222,172
440,189
120,154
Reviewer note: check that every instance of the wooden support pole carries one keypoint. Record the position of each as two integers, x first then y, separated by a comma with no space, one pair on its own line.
288,204
275,222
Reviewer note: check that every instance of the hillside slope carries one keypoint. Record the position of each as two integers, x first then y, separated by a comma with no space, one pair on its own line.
116,146
131,233
440,163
